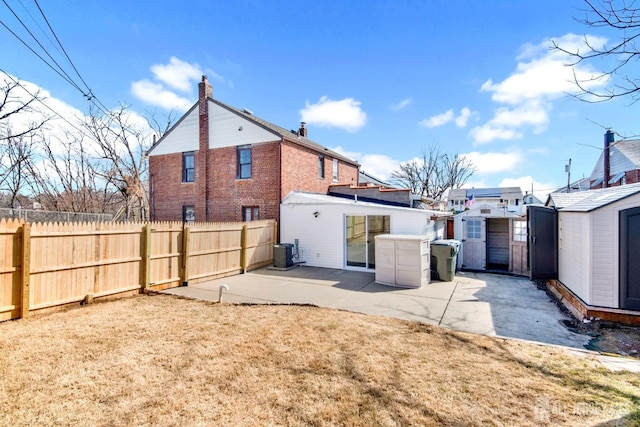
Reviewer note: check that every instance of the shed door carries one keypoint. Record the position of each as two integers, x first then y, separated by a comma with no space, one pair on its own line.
473,246
630,259
498,243
542,225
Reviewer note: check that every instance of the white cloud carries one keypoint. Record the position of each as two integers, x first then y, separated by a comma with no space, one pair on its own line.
526,96
402,104
492,162
177,74
438,120
463,118
540,189
448,116
344,114
377,165
156,94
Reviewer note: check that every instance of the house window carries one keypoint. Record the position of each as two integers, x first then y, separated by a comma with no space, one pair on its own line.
321,167
188,167
335,169
244,162
519,231
250,213
188,214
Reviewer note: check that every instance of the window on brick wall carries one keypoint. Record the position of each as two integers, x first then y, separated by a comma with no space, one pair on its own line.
321,167
250,213
188,166
335,169
244,162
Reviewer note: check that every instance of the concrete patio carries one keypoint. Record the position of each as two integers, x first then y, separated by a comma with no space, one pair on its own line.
486,304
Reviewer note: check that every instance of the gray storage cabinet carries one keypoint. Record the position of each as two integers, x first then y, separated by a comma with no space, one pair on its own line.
402,260
444,255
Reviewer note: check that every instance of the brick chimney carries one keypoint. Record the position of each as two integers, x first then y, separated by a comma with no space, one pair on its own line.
205,91
303,130
609,138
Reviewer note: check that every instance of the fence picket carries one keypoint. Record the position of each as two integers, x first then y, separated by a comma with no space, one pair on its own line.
56,263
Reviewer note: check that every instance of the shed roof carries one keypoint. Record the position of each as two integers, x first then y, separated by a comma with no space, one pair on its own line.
596,199
561,200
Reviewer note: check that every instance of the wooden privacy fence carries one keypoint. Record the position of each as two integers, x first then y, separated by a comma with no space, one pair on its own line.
51,264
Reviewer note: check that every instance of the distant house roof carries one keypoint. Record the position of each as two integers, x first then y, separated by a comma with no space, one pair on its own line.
591,200
583,184
287,135
485,193
366,179
624,156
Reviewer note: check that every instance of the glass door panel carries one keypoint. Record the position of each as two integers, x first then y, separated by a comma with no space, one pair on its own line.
356,240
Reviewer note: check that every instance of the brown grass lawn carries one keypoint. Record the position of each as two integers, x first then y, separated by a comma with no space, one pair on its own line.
162,360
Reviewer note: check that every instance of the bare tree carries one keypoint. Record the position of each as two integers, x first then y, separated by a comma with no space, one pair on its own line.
623,19
121,147
17,156
434,174
66,178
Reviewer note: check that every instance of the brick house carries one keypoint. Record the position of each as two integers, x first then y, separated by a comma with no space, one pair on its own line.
220,163
618,164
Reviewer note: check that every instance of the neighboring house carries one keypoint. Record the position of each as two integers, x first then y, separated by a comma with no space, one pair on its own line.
336,232
595,249
365,179
531,199
492,240
506,198
583,184
618,164
220,163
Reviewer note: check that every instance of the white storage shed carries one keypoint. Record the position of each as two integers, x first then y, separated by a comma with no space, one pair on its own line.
337,232
492,239
599,247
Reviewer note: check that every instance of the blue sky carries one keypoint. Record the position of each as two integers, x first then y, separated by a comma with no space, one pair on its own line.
377,80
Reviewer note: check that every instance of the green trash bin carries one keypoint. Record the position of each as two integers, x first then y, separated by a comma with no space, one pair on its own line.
444,254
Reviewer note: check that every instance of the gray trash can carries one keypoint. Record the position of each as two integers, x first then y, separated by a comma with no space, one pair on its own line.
444,254
283,255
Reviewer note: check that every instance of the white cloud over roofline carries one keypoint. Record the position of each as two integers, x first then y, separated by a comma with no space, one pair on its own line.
344,114
170,82
493,162
526,96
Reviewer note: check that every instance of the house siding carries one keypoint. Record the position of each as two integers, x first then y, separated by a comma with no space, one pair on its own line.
230,130
574,261
183,137
321,239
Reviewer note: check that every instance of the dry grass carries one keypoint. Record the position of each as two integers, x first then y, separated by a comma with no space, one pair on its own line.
161,360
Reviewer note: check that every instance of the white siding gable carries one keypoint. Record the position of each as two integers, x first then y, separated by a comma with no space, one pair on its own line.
183,137
227,129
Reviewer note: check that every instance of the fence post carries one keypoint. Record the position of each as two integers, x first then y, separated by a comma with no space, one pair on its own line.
26,270
146,258
243,250
186,231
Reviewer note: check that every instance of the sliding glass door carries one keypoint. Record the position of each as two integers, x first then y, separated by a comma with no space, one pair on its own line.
360,232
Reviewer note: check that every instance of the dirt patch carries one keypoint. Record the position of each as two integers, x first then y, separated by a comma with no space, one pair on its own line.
161,360
607,337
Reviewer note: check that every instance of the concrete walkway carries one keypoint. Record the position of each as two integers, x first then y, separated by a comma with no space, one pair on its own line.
481,303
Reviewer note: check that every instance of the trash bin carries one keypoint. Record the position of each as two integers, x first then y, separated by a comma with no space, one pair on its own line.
283,255
444,254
